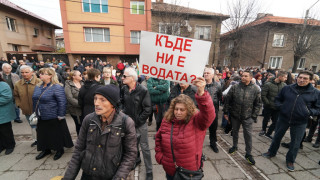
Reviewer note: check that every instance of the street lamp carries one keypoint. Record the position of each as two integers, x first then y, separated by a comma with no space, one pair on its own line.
307,14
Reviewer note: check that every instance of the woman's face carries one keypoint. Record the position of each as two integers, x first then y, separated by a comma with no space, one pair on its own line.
107,74
45,77
77,76
180,111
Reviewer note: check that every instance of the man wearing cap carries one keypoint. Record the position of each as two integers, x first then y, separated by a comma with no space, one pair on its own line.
106,145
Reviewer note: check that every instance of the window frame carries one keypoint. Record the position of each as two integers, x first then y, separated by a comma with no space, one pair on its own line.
172,28
138,5
197,30
283,40
100,5
137,38
304,63
15,47
35,32
103,35
9,21
226,61
270,62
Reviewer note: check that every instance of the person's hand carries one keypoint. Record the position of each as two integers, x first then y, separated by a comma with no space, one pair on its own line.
227,118
200,83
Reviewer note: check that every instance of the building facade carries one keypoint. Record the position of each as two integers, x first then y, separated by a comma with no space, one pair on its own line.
106,29
23,32
188,22
267,42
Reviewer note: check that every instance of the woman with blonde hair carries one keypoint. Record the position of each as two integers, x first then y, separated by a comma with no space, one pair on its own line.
107,77
72,88
49,104
179,140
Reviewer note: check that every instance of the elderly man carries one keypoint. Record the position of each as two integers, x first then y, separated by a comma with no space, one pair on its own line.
106,145
215,92
137,104
11,79
297,103
23,91
243,103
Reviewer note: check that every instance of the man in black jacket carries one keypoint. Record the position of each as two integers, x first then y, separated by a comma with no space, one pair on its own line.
181,88
243,103
215,92
297,103
136,103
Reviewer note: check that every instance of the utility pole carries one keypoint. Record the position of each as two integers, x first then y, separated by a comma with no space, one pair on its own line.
307,14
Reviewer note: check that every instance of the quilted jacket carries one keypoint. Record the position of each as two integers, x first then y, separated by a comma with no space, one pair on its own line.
187,138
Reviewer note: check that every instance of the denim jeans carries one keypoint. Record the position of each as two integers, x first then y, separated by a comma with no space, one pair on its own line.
296,135
17,112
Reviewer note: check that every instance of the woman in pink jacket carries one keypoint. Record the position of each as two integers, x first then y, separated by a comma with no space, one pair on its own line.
189,129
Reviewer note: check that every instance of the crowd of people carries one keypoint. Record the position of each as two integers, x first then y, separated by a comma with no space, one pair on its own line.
113,107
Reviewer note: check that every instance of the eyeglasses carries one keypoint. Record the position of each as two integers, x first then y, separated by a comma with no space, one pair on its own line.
124,76
44,74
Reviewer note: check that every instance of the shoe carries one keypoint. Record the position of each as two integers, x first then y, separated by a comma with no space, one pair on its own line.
18,121
149,123
267,155
290,166
316,145
250,159
149,176
214,148
58,154
34,143
307,140
1,150
43,154
232,150
9,151
268,136
262,133
285,145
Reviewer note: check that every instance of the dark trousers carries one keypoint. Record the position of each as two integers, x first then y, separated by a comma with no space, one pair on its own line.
213,130
313,128
169,177
77,121
296,135
6,136
159,114
274,114
267,114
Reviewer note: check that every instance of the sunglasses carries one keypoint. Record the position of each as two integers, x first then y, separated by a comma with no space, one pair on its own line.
124,76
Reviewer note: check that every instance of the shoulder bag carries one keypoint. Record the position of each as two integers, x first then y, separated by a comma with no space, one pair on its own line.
182,173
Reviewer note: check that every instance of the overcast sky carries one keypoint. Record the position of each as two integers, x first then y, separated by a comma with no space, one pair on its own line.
50,9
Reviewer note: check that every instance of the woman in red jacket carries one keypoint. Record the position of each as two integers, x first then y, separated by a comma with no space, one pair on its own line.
189,129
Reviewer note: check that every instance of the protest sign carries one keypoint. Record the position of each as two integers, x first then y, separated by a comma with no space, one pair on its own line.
172,58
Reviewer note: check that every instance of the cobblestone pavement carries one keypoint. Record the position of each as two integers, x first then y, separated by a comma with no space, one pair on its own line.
21,164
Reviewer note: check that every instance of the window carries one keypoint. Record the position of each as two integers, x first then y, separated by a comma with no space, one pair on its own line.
137,7
135,37
301,63
278,40
226,62
11,23
95,6
202,32
169,28
275,62
35,32
97,35
230,44
15,47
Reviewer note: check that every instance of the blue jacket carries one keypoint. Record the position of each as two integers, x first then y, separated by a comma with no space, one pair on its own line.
297,108
52,103
7,112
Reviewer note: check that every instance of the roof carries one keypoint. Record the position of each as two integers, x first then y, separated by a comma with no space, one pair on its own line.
275,19
26,12
164,7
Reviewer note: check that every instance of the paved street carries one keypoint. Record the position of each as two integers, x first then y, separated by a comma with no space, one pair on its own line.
21,164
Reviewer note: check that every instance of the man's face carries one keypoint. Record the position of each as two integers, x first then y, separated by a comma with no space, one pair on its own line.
207,74
41,63
7,69
102,105
184,86
26,73
126,78
21,62
303,80
55,66
245,78
283,78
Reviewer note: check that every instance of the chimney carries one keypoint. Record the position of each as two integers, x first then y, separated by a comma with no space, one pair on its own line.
159,1
261,15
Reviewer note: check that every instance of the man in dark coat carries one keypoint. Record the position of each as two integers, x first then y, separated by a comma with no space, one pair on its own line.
297,103
106,145
243,103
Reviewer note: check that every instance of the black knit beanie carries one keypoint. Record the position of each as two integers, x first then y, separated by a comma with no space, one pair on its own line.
111,92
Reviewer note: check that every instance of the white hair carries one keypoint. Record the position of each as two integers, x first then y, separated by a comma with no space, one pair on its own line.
132,72
25,67
6,64
211,70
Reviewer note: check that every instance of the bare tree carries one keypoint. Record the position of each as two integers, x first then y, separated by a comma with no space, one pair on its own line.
241,13
305,41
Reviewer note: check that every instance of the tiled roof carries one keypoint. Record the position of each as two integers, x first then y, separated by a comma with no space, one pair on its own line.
276,19
165,7
24,11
